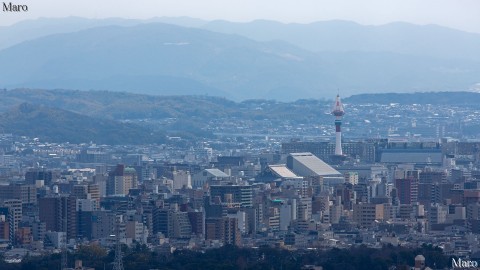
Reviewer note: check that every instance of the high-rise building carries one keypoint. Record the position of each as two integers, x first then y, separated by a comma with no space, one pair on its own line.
162,221
351,177
430,177
4,228
80,191
94,192
103,224
365,214
15,208
7,229
38,230
437,214
240,194
39,174
121,180
224,229
181,225
26,193
407,190
136,231
130,179
181,179
197,221
23,236
54,210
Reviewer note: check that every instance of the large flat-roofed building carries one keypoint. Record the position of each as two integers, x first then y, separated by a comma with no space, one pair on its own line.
414,156
307,164
209,176
365,151
418,153
281,171
311,167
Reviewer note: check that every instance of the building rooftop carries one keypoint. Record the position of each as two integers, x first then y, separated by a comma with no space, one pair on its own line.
216,173
411,157
314,165
281,170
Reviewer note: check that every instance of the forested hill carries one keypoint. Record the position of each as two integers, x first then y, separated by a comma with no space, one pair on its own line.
57,125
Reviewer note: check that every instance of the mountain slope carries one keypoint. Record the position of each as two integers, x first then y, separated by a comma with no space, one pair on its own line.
56,125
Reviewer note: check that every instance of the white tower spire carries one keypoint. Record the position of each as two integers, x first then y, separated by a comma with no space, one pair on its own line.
338,112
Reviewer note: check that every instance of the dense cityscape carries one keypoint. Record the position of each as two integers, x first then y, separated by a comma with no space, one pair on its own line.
359,175
242,134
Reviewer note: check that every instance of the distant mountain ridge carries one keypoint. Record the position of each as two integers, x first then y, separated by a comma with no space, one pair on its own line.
41,27
320,36
346,36
164,59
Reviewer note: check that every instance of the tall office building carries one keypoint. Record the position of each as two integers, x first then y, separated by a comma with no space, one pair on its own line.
407,190
4,227
39,174
240,194
181,179
26,193
121,180
224,229
15,208
54,210
365,214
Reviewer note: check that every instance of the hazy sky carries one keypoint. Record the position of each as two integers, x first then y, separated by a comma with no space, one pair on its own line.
460,14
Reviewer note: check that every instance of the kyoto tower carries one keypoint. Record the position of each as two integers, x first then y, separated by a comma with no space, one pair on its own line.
338,112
